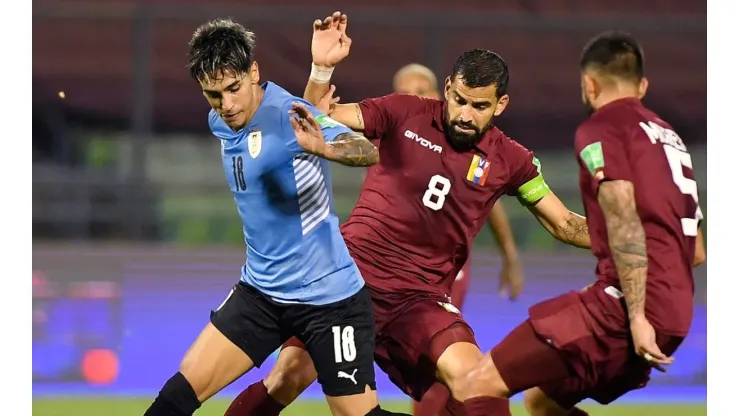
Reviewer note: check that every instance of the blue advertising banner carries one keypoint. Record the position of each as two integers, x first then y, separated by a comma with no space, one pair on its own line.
118,320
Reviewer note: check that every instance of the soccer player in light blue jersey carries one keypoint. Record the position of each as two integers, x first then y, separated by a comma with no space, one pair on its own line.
299,279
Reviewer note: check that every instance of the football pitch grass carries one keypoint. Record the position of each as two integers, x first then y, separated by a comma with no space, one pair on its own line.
136,407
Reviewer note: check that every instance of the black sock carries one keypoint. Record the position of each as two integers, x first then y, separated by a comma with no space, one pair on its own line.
176,398
377,411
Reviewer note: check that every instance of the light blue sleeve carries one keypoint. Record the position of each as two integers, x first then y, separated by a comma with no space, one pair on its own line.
330,127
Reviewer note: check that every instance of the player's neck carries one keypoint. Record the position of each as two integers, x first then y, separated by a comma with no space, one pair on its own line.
608,97
259,93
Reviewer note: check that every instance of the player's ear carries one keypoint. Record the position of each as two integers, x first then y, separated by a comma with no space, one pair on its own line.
254,73
448,84
501,105
591,88
642,88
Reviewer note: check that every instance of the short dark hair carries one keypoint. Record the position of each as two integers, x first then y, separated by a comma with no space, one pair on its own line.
220,47
616,54
481,68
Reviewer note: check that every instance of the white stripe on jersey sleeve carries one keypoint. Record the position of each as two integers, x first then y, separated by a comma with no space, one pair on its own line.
313,198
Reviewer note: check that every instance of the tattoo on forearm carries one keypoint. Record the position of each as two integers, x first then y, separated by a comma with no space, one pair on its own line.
575,231
353,149
358,114
627,243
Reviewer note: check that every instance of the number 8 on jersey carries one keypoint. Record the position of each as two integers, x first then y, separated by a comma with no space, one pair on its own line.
437,190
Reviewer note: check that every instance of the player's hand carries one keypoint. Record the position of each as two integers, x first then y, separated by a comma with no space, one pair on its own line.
330,43
328,102
307,130
511,280
643,336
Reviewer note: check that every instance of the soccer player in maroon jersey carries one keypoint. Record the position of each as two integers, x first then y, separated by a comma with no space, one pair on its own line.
443,164
419,80
642,205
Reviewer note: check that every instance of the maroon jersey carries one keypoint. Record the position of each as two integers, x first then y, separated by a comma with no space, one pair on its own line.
423,204
625,141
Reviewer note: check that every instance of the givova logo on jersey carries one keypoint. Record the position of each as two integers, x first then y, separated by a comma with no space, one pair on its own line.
422,141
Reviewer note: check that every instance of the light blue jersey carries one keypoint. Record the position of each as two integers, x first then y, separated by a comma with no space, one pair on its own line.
295,252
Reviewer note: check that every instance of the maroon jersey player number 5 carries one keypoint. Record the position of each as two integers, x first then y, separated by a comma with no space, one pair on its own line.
642,206
625,141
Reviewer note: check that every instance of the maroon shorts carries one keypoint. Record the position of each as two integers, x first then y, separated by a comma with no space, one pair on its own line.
413,331
576,346
460,286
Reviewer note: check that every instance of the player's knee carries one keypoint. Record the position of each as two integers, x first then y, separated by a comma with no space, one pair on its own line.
538,404
457,382
197,378
484,380
285,387
460,356
292,374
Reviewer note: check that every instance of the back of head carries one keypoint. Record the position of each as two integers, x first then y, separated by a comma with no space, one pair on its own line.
615,55
478,68
416,79
218,48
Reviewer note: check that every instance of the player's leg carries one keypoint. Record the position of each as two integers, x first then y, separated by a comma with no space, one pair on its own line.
340,339
539,403
438,396
528,358
426,342
242,333
290,376
521,361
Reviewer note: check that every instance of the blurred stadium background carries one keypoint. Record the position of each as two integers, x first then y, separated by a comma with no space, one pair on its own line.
135,234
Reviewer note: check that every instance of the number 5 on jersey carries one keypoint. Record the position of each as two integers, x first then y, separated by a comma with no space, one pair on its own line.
677,160
437,190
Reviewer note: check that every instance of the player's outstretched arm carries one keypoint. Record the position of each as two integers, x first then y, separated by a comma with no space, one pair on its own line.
627,244
329,46
348,114
501,230
564,224
352,149
700,253
347,147
512,276
626,241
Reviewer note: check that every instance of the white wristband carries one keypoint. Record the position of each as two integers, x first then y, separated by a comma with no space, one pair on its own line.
321,74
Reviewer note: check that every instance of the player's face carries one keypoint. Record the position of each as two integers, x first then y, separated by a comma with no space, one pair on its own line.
233,96
470,112
416,85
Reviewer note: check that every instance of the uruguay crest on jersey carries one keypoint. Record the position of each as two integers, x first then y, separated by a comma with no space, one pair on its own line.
254,143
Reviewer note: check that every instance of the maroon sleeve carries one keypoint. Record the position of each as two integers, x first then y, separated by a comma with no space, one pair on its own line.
523,166
381,115
601,151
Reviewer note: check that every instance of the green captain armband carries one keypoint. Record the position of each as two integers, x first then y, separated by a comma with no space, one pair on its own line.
533,191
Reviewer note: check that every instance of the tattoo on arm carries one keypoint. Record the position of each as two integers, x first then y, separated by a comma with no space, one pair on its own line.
352,149
626,241
358,114
575,231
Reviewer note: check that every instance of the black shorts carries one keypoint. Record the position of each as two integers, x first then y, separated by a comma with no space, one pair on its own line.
340,337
